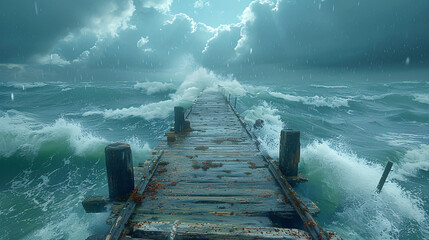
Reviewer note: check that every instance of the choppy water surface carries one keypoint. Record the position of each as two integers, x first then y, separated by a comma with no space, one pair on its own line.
52,136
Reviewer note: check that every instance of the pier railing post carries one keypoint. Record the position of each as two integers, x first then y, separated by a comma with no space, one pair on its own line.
120,173
384,176
235,102
179,119
289,152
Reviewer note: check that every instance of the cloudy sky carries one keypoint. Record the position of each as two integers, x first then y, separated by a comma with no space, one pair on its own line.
220,35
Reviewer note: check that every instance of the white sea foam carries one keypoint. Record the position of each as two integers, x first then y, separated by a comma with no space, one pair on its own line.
414,160
269,134
149,111
63,228
401,139
196,82
422,98
232,86
374,97
66,89
154,87
349,181
318,101
26,85
140,149
327,86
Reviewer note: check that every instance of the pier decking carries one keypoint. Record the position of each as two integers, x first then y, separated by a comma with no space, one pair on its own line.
210,183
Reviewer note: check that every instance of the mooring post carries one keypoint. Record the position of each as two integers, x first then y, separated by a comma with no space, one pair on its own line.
179,119
235,102
289,152
120,173
384,176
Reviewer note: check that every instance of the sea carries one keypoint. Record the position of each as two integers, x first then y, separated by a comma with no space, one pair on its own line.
53,131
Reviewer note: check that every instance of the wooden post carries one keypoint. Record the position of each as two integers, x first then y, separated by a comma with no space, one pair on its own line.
120,173
384,176
179,119
235,102
289,152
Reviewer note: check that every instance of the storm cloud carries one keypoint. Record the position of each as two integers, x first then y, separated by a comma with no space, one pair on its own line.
30,27
143,34
330,33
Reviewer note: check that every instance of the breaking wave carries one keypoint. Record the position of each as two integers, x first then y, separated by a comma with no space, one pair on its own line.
21,133
269,134
198,81
348,183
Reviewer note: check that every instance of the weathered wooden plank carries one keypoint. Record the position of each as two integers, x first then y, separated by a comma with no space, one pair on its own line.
162,230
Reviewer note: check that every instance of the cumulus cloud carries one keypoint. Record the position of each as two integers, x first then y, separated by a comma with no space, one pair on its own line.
219,50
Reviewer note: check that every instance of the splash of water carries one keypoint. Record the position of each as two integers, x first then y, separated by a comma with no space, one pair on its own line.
196,82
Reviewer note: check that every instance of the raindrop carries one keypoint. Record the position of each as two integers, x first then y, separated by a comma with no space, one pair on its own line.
251,50
407,61
36,8
12,96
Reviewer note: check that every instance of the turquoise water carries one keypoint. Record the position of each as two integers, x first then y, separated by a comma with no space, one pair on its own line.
53,133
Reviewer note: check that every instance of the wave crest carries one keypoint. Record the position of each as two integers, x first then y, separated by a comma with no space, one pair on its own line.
154,87
421,98
318,101
415,160
22,133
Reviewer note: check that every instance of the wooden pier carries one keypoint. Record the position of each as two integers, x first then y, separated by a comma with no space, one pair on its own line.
209,180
